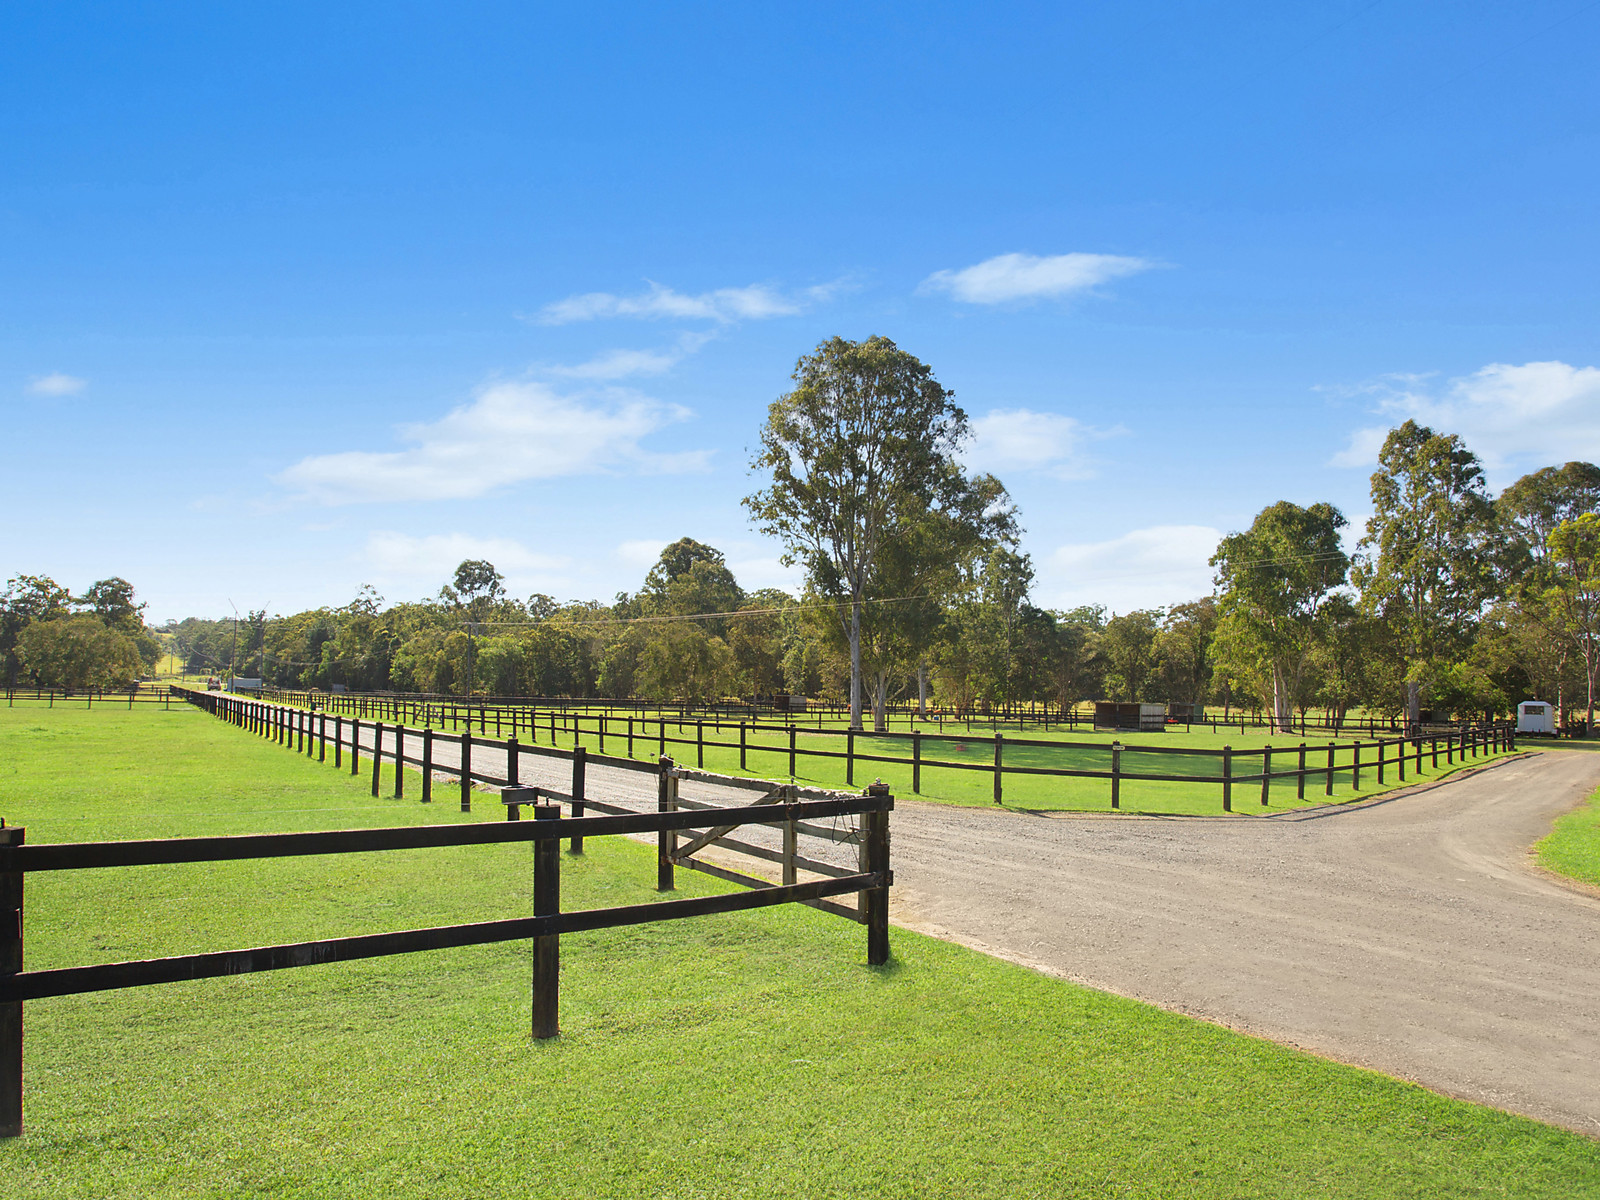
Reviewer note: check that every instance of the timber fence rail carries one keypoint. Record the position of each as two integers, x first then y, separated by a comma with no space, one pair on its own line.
1238,774
161,694
455,710
870,884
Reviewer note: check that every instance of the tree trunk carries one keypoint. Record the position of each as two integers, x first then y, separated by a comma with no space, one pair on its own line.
922,688
880,702
855,662
1413,706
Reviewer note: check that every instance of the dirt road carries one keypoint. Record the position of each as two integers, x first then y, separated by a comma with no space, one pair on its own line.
1411,935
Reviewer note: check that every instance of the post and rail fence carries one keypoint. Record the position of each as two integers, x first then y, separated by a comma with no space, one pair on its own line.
1227,769
676,815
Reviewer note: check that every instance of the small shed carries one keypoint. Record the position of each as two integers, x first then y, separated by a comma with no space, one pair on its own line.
1535,716
1129,718
1180,713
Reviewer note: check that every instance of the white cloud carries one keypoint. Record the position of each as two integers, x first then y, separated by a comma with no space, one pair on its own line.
1031,277
1515,418
435,556
1033,441
621,364
643,552
1145,568
724,305
57,384
510,433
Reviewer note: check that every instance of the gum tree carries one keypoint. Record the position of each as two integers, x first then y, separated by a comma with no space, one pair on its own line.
860,453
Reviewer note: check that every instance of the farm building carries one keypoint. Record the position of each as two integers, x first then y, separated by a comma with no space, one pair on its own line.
1186,712
1130,718
1535,716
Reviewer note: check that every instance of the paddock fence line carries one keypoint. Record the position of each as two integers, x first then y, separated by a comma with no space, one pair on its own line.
162,694
816,713
1236,773
675,816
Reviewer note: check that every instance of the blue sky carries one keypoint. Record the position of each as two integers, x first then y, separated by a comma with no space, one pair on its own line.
299,297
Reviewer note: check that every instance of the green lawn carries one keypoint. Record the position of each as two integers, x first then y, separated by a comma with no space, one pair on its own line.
971,782
744,1055
1572,847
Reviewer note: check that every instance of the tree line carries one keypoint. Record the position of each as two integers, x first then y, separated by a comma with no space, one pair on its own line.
1454,601
52,638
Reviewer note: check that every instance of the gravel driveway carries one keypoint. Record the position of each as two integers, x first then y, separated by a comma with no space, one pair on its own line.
1411,935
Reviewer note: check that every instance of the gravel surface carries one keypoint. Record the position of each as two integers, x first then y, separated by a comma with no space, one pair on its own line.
1411,935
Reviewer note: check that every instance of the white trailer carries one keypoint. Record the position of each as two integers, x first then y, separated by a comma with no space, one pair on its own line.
1535,716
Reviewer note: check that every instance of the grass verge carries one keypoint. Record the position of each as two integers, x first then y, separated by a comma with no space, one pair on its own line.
746,1055
1572,847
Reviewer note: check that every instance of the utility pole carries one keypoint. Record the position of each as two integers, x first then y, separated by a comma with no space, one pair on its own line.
233,655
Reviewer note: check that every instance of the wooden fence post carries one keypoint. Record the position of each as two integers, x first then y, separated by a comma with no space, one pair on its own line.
547,947
399,762
338,741
1380,762
916,762
743,729
466,766
666,843
513,766
999,767
1300,775
850,757
1400,757
355,745
580,766
1116,774
377,756
700,744
1227,779
791,749
322,737
1266,774
427,765
11,964
1355,765
1327,783
878,898
791,842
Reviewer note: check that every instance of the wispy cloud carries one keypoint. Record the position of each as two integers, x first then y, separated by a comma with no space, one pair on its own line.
1515,418
57,384
510,433
725,305
1144,568
1031,277
623,364
1021,439
436,555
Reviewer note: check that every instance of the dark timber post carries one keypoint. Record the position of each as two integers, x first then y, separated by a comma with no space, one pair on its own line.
1227,779
377,756
399,762
513,767
1327,784
1400,756
322,737
1355,765
878,897
338,741
1116,774
666,801
916,762
1380,762
791,750
427,764
547,947
849,757
743,728
1300,777
466,768
1266,773
10,964
355,746
999,750
700,743
580,764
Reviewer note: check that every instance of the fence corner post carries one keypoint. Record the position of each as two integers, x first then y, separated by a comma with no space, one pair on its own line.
547,947
999,768
580,766
10,964
878,864
666,840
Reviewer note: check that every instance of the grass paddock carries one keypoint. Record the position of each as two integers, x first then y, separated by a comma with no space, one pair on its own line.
744,1055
